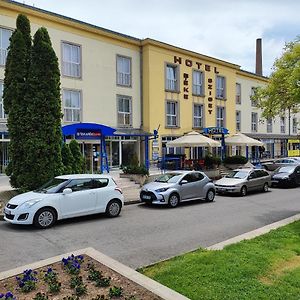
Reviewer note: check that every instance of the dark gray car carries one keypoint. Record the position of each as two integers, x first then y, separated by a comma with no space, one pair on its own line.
175,187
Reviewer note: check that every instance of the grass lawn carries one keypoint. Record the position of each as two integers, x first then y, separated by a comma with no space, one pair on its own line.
267,267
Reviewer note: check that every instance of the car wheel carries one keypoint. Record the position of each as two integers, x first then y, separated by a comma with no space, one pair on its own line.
210,196
173,200
243,191
113,208
265,187
44,218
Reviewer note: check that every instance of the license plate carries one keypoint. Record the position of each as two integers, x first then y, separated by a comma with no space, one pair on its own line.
146,197
274,181
6,211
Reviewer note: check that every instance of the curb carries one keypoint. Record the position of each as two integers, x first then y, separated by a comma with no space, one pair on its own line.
146,282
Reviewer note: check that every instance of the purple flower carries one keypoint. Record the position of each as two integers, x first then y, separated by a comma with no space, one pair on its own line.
1,295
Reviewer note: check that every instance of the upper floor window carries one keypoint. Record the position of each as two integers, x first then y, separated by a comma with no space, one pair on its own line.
220,116
5,34
238,120
198,83
124,111
238,93
172,78
123,70
269,125
72,105
2,113
198,116
71,57
221,87
295,123
172,119
254,121
282,124
253,101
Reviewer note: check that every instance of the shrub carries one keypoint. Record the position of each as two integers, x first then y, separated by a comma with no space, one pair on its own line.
237,159
210,161
135,169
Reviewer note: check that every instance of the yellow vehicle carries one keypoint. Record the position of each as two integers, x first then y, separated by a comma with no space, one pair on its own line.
294,147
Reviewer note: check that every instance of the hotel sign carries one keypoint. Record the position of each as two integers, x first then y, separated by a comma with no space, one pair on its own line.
198,65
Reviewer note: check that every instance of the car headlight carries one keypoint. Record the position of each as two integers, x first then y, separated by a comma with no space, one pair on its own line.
161,190
29,203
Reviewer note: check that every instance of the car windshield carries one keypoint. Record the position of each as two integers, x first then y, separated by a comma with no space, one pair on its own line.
237,174
168,178
52,186
285,170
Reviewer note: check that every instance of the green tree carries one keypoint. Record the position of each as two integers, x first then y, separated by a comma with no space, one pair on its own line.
44,136
15,87
67,159
283,90
78,159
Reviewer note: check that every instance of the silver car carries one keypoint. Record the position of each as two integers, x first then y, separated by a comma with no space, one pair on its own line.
175,187
243,180
282,162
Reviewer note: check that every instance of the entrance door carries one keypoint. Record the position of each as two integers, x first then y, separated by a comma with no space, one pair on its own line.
115,154
128,152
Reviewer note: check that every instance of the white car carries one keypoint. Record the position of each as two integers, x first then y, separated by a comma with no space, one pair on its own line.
66,196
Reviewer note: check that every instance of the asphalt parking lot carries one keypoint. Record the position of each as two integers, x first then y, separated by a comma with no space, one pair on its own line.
144,234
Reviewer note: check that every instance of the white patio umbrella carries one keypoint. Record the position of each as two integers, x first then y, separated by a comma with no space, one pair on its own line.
240,139
193,139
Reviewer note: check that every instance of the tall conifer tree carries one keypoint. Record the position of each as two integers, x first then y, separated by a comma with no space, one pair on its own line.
15,87
44,106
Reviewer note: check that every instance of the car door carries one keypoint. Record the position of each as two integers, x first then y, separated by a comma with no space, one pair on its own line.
103,192
252,181
297,172
81,201
200,183
186,187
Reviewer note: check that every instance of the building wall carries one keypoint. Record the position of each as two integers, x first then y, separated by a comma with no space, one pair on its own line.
98,51
155,57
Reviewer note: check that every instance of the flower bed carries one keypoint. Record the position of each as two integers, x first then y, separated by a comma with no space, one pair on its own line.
74,278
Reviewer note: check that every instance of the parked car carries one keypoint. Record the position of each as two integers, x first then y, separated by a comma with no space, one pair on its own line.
273,165
243,180
175,187
65,197
286,176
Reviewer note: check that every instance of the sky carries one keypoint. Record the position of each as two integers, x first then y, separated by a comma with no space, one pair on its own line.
224,29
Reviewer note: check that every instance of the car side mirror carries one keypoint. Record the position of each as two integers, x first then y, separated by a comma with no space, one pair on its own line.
67,191
183,181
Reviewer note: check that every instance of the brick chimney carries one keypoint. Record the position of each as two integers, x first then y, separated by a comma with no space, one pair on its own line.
258,67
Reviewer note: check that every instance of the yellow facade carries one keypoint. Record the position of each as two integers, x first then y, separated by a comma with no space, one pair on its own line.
155,57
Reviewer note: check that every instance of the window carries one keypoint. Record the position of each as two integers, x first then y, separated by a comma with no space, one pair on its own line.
254,121
5,34
172,114
269,125
123,71
282,124
220,116
71,56
77,185
253,102
3,115
295,123
72,105
220,93
238,120
172,78
238,93
198,83
198,116
124,111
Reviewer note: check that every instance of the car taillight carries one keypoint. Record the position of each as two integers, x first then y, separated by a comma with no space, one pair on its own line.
119,190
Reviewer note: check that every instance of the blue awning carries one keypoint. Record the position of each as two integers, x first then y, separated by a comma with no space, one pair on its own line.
72,129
